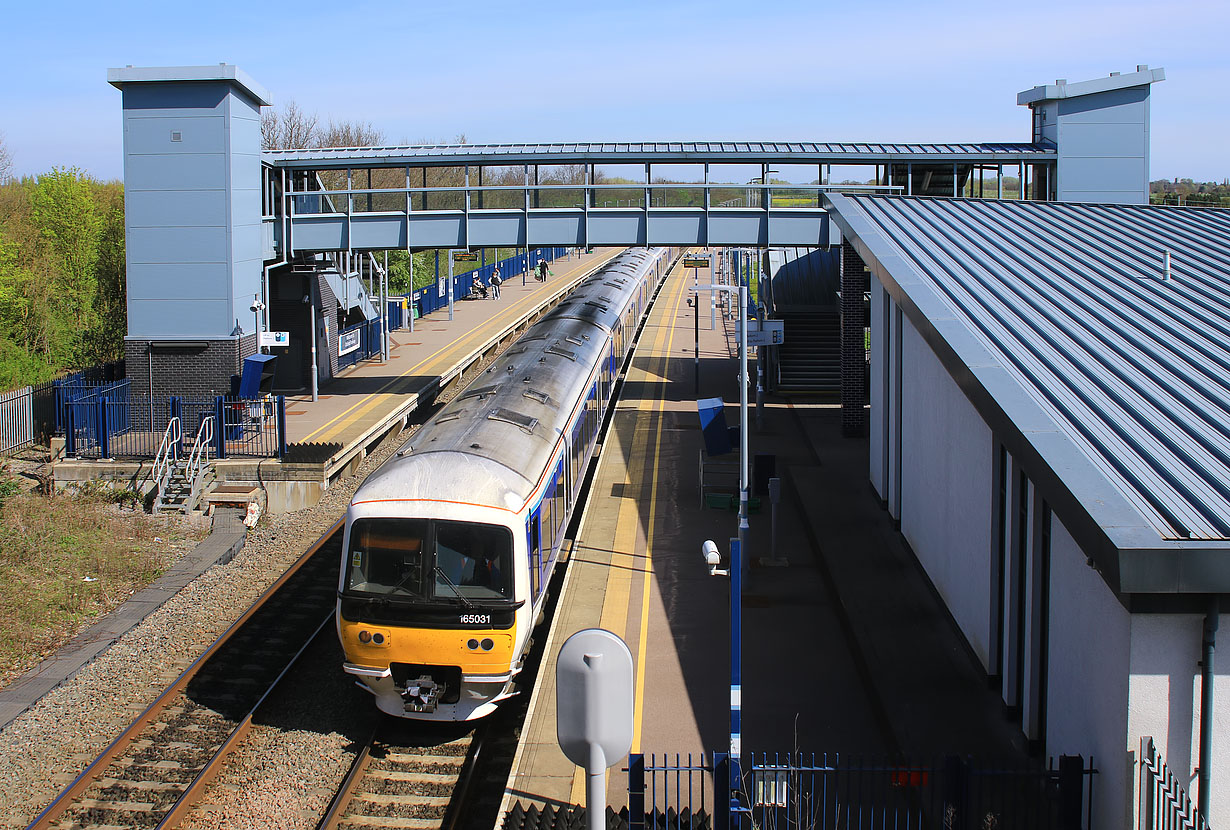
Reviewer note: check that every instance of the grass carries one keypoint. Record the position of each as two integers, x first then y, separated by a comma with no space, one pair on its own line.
67,560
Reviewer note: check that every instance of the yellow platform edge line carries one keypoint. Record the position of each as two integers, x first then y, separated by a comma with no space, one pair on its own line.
615,606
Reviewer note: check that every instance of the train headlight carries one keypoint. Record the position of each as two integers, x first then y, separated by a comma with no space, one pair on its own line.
368,637
472,644
487,644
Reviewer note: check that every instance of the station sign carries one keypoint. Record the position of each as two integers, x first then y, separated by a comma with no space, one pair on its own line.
695,262
347,342
766,333
275,338
465,256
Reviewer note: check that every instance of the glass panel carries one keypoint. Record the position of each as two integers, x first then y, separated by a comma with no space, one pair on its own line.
386,556
475,558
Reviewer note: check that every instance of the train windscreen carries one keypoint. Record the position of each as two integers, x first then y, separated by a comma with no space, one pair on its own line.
430,559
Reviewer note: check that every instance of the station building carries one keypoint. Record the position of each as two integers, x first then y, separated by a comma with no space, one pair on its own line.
1048,427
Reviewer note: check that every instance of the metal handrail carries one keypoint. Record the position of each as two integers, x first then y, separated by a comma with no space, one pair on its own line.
204,446
168,454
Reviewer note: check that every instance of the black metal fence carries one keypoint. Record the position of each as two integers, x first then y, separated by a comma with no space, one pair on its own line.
16,420
1163,801
796,792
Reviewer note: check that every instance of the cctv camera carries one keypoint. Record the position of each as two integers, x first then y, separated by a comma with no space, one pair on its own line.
712,558
257,305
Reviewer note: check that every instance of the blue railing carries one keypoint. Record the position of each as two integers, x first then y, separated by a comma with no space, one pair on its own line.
117,424
368,335
435,296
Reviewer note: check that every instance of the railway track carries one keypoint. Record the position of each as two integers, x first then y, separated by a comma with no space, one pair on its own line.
411,776
158,767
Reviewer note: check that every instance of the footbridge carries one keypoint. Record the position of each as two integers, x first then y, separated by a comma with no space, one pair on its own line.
231,248
675,193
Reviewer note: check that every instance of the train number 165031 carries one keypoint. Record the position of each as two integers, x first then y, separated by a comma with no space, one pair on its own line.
475,619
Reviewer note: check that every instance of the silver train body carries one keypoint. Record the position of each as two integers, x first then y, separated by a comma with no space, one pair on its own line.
450,544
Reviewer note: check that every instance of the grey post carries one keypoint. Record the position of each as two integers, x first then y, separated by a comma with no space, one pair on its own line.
594,709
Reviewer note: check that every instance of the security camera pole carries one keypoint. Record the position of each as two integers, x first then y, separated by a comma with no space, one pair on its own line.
738,553
257,308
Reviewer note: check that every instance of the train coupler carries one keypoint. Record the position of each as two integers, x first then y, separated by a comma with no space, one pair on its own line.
422,695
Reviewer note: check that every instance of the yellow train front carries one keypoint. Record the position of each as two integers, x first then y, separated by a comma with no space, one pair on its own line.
450,544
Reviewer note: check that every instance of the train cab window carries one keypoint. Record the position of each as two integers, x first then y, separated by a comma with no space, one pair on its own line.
386,556
430,559
473,561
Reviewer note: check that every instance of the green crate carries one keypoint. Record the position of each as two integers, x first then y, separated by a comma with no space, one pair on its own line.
721,501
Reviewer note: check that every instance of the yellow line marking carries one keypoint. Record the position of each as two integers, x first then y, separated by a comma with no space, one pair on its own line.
373,398
642,647
629,528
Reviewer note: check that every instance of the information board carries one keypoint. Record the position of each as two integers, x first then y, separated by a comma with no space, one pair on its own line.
695,262
347,342
465,256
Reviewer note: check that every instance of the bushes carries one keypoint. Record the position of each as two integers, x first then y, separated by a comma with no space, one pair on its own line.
62,290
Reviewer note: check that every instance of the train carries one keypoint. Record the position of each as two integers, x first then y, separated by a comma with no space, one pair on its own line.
449,545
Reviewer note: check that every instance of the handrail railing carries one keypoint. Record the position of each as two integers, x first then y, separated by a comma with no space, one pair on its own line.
168,454
198,458
203,448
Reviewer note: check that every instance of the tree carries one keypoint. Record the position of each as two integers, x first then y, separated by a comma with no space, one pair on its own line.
288,129
106,337
6,161
69,226
349,134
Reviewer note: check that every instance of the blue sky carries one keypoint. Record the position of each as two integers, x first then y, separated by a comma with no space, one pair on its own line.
569,71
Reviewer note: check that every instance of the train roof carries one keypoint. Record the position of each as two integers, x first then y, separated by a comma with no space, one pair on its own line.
492,441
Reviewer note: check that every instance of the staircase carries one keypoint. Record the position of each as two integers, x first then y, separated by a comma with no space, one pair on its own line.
181,482
809,359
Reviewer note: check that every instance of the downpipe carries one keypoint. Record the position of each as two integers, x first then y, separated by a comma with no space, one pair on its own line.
1208,645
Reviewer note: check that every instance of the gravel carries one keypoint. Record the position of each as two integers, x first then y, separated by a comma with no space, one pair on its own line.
285,774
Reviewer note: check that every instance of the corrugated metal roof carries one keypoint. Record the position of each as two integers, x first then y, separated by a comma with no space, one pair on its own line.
1069,299
672,151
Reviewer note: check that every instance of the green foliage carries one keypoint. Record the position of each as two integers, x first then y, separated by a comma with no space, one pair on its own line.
425,267
1188,192
62,275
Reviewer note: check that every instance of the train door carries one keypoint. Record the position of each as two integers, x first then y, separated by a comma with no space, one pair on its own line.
533,537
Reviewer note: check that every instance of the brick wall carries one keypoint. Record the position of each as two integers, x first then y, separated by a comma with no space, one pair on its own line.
188,371
854,283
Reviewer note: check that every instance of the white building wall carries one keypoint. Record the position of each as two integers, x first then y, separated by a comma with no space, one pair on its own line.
1089,645
946,487
877,445
1164,700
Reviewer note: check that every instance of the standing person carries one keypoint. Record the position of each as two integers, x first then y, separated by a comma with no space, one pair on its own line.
495,283
542,270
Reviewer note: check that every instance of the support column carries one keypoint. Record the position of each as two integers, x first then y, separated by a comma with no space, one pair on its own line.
854,282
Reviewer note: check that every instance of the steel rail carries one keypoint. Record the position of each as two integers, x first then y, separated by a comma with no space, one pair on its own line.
73,792
196,789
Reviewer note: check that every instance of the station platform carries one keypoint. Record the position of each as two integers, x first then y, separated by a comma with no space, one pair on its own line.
364,402
846,648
